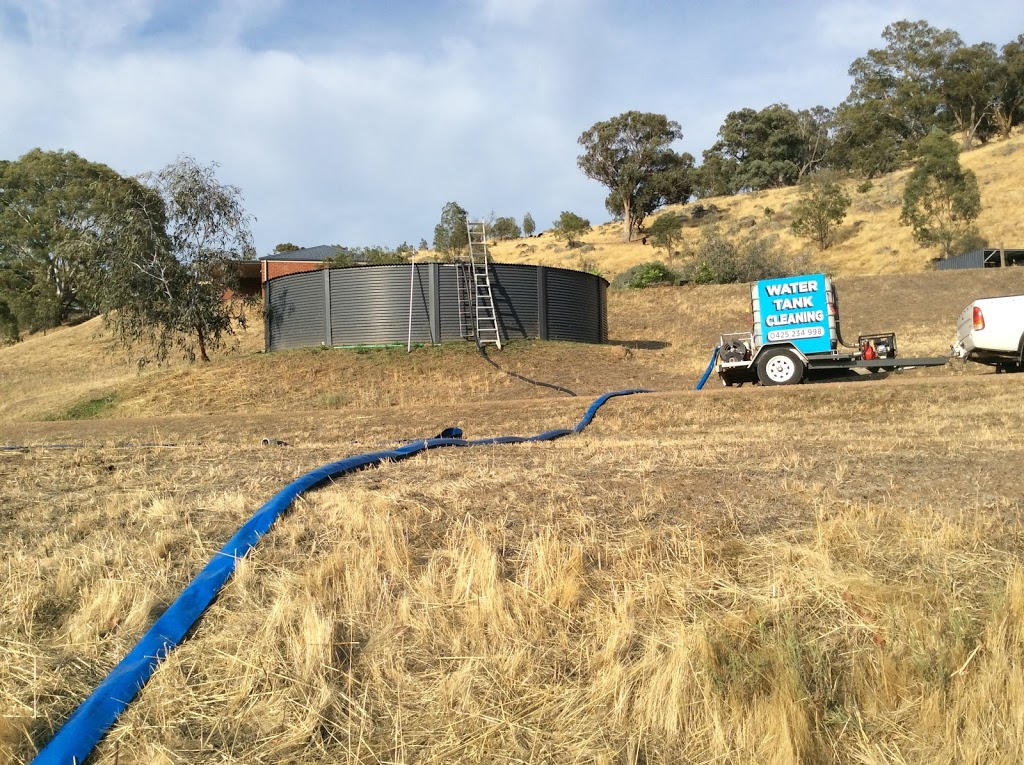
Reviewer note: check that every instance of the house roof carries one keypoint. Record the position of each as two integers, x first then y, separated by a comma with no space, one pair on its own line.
316,254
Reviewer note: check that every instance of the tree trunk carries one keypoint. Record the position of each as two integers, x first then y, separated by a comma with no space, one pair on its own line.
1004,122
627,221
201,338
970,129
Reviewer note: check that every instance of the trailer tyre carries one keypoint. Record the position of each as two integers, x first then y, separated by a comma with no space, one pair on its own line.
780,367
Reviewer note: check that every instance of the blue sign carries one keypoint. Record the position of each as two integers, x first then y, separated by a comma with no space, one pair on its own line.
795,310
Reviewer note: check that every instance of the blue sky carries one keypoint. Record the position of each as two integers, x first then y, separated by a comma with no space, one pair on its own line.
355,122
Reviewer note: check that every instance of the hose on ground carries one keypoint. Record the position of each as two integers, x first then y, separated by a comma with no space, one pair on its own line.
75,740
711,365
518,376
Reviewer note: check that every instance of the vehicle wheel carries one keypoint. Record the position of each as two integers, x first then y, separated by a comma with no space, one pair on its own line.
780,367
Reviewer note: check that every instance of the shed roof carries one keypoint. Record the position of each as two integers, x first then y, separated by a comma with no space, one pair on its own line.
316,254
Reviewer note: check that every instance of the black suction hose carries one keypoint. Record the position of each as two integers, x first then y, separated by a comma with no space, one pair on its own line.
518,376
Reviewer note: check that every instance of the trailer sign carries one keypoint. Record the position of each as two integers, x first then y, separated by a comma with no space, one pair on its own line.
795,309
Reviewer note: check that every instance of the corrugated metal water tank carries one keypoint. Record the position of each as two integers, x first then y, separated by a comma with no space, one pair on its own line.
370,305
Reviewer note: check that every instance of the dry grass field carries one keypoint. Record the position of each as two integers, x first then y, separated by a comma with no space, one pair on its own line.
821,574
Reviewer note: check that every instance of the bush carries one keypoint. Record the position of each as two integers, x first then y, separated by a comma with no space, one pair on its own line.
569,226
667,232
588,265
506,228
645,275
721,260
820,209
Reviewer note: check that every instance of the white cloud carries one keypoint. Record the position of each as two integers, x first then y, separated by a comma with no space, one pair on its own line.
63,25
359,141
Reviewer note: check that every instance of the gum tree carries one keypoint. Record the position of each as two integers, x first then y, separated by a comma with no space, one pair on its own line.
61,217
173,282
632,156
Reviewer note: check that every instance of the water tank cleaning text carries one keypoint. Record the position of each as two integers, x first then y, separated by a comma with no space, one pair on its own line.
776,291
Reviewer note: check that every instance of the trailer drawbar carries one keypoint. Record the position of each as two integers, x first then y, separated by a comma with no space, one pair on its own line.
796,336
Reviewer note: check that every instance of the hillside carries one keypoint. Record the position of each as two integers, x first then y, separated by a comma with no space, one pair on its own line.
871,240
660,338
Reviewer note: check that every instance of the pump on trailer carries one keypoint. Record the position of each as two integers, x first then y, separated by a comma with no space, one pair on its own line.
796,336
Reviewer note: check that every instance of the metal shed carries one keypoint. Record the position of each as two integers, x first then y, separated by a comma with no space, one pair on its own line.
370,305
986,258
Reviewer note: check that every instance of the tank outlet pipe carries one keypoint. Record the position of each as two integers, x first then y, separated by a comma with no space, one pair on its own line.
711,365
75,740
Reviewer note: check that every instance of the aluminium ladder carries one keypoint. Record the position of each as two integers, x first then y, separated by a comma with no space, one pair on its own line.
485,317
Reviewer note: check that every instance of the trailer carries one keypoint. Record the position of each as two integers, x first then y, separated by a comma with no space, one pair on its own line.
796,336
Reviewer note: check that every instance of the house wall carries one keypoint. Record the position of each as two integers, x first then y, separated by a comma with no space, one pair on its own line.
274,268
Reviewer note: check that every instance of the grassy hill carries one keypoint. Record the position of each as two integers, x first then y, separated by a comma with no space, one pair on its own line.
871,240
660,338
823,573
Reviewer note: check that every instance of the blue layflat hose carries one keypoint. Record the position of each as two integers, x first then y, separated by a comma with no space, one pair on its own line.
711,365
89,723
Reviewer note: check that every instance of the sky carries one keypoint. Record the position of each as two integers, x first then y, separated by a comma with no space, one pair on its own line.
354,123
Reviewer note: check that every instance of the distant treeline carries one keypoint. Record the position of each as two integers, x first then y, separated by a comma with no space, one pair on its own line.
923,78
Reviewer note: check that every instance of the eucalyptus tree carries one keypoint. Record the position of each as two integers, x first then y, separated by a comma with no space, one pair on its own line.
632,155
175,277
61,218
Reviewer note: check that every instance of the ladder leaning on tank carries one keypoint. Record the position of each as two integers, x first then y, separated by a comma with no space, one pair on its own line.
478,317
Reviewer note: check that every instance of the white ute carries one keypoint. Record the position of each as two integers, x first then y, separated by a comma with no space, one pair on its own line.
991,331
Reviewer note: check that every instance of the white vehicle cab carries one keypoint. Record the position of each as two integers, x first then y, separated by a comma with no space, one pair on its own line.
991,331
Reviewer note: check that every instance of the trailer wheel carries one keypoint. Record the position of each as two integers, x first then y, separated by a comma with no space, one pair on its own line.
780,367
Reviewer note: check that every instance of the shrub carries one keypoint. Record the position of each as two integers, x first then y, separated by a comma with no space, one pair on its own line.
821,208
569,226
588,265
667,232
718,259
645,275
87,409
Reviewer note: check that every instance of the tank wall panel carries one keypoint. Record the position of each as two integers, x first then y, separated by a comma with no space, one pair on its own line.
449,282
296,314
515,299
574,307
370,306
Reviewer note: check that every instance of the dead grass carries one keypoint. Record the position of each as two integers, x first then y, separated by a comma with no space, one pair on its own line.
781,576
